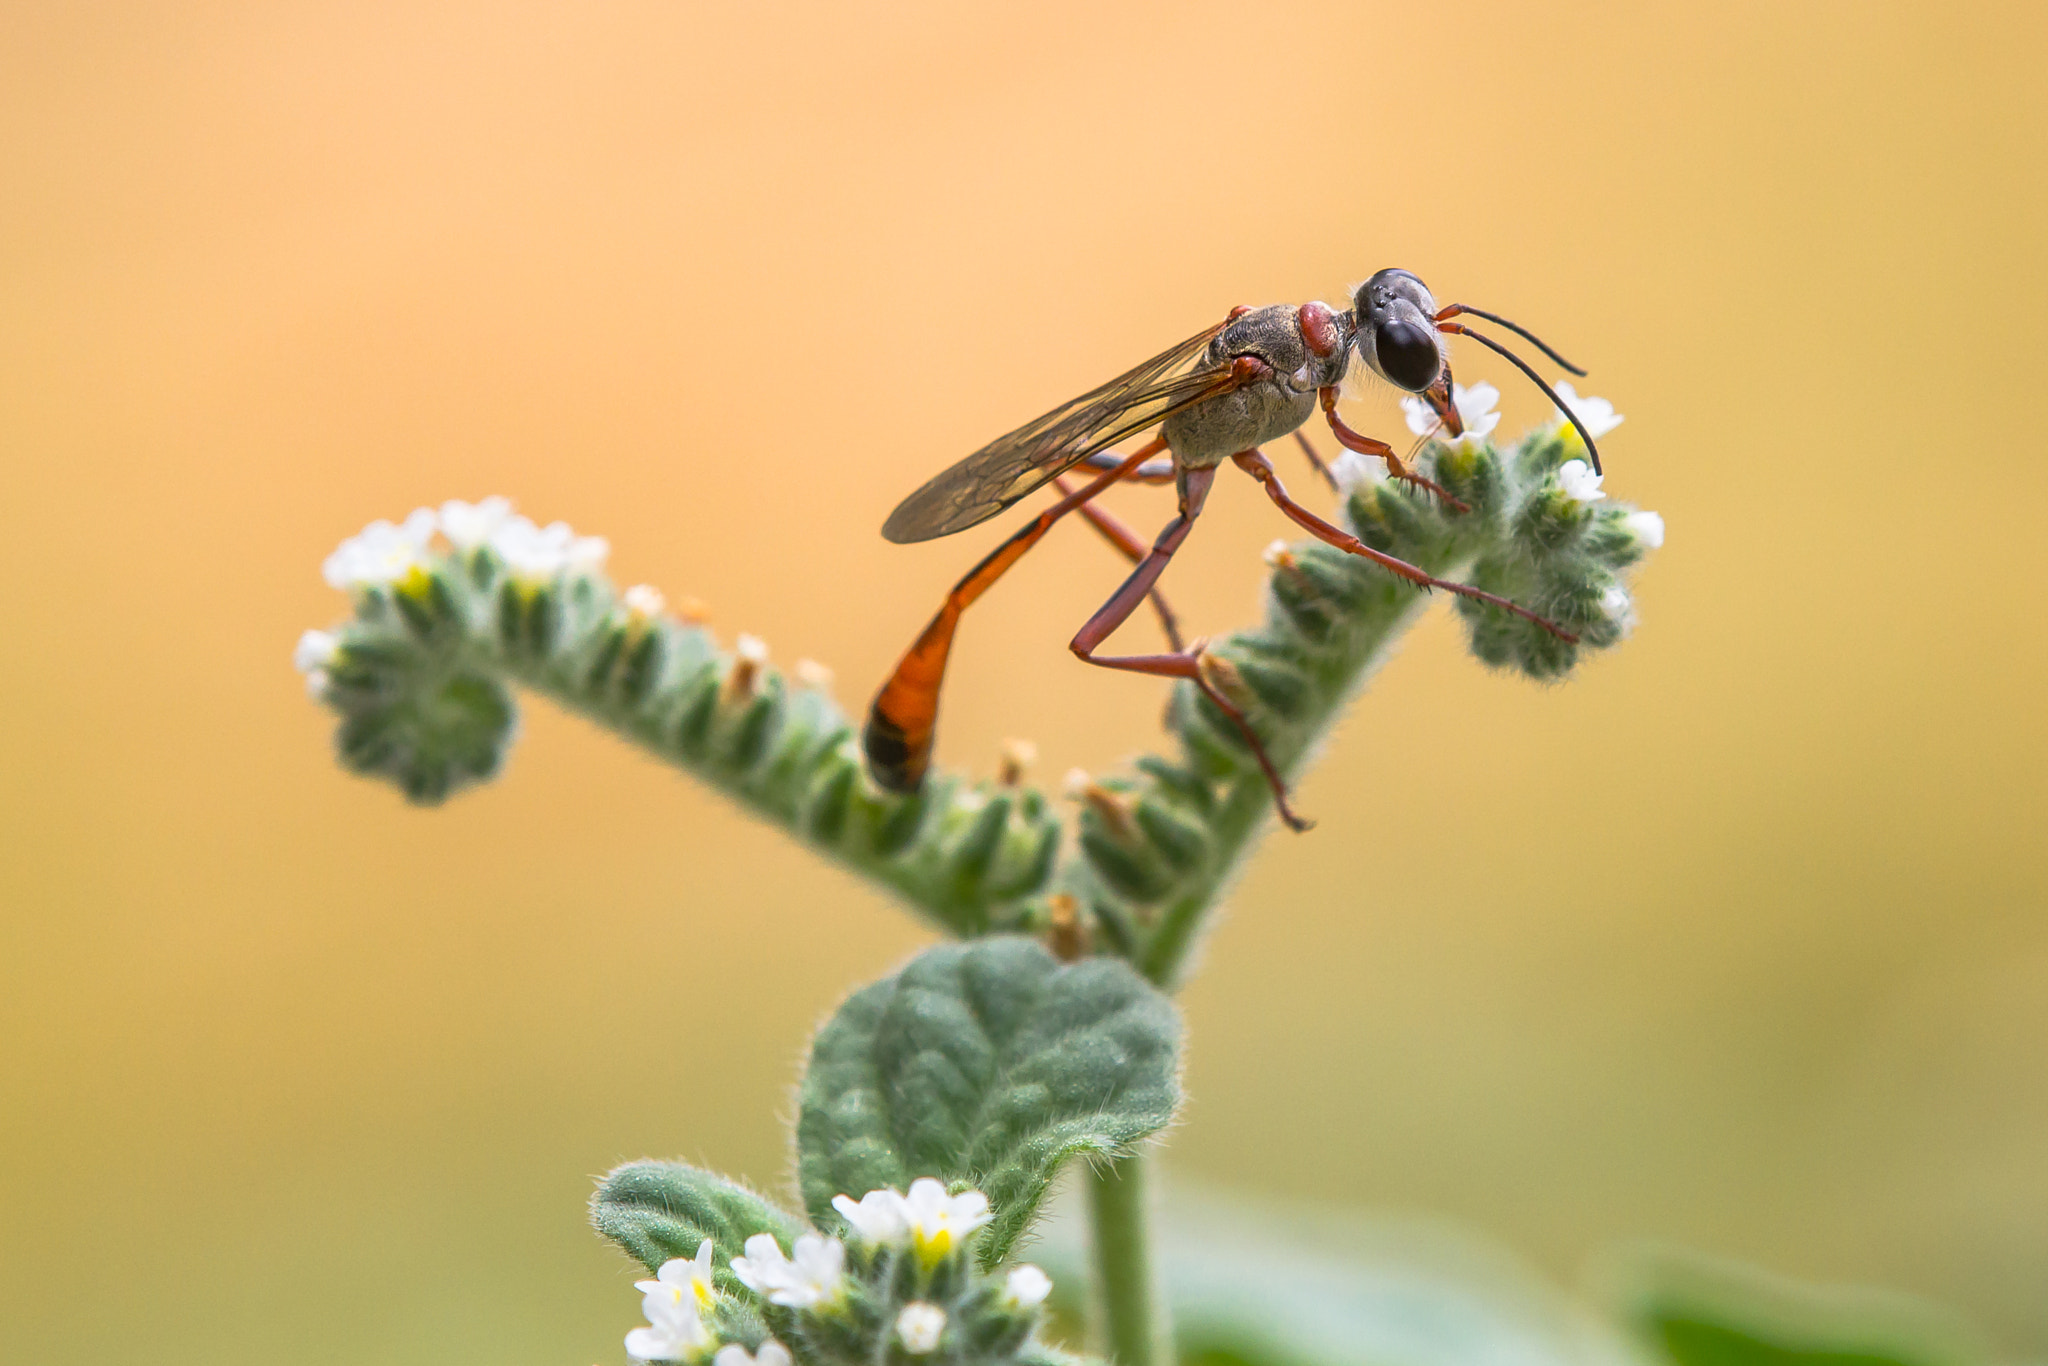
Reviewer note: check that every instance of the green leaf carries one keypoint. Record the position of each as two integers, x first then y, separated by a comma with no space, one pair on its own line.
659,1210
1256,1284
987,1065
1696,1311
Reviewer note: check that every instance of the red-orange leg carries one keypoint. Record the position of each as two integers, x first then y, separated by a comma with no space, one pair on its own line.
904,716
1365,445
1127,541
1181,663
1261,469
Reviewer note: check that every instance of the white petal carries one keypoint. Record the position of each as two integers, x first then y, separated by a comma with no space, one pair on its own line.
316,650
1619,607
1647,527
643,600
926,1200
586,554
1579,482
920,1326
1351,469
879,1217
1422,419
1027,1286
648,1345
1476,403
968,1211
773,1353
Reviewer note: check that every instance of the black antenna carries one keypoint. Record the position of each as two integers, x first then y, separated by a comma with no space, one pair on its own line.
1524,333
1523,366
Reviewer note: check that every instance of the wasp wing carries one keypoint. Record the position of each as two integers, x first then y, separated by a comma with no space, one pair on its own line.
1011,466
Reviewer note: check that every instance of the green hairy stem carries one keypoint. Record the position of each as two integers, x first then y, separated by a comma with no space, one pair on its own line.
1134,1324
422,673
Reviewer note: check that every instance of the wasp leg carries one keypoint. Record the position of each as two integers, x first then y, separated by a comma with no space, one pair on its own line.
1126,540
1261,469
1181,663
905,714
1365,445
1158,471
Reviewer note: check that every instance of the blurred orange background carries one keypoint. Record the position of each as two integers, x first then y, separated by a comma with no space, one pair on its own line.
1737,940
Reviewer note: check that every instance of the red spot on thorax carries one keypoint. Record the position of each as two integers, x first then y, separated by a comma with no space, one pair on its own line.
1318,329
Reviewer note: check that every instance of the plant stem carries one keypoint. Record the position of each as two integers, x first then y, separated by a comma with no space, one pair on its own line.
1134,1326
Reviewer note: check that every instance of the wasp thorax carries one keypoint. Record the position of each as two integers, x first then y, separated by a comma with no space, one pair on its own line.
1397,333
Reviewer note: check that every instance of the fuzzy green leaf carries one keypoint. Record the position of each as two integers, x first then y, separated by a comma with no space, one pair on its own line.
985,1065
658,1210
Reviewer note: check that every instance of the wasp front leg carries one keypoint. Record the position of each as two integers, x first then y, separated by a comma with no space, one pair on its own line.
1261,469
1365,445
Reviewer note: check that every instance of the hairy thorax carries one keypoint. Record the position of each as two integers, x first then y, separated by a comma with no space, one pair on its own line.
1211,432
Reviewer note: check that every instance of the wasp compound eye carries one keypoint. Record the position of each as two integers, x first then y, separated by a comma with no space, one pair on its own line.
1407,354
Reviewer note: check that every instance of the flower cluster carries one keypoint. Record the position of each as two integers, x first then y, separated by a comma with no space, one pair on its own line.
385,556
928,1220
838,1305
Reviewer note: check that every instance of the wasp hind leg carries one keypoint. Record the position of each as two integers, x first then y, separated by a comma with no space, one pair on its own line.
903,719
1180,663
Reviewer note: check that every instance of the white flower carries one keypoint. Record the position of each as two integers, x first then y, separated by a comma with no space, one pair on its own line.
673,1303
1619,607
772,1353
687,1276
1277,554
643,602
1596,413
751,650
1026,1287
811,674
381,553
1647,527
1076,783
469,525
920,1325
587,554
940,1222
1579,482
1475,411
878,1218
316,650
932,1221
815,1276
537,555
1351,469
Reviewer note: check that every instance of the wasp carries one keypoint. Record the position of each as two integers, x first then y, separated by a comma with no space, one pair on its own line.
1216,398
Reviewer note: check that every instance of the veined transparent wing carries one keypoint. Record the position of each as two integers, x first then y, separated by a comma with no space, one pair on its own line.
1011,466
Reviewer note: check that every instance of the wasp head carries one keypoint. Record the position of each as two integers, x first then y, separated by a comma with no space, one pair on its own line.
1397,333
